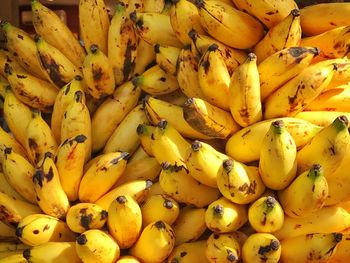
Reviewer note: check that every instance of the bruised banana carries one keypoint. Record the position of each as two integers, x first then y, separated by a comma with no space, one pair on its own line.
189,252
166,58
145,132
8,141
7,58
223,248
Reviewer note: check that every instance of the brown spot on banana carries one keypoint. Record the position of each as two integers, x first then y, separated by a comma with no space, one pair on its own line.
53,69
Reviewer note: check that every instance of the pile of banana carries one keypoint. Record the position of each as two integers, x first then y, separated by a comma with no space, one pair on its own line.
184,132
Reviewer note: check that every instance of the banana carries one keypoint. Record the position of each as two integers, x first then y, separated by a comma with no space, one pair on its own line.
94,14
128,259
7,58
189,252
190,225
13,210
52,252
328,16
111,112
166,58
286,33
8,141
176,97
327,148
220,20
155,6
268,12
159,207
7,189
266,215
98,73
122,45
99,178
95,246
38,229
124,221
204,162
239,183
145,132
244,93
137,189
76,121
16,258
342,75
310,248
296,94
56,33
321,118
213,71
20,43
155,28
9,246
276,69
19,174
34,92
51,197
155,189
223,216
133,6
145,56
70,164
181,186
17,116
278,157
7,233
39,138
59,70
139,155
341,253
209,119
85,216
156,81
327,219
261,247
155,242
223,248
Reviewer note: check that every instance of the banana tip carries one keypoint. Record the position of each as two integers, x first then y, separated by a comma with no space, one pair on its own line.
157,48
81,240
338,237
162,124
193,34
93,48
295,12
252,57
159,224
133,16
121,199
199,3
37,38
26,254
228,165
196,145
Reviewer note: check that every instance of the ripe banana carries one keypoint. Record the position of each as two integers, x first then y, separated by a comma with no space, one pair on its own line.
244,93
155,242
166,58
342,75
156,6
145,56
278,157
38,229
7,189
98,73
239,183
138,155
124,221
95,246
56,33
15,258
6,140
51,197
341,253
7,58
189,252
145,132
128,259
223,248
321,118
99,178
94,15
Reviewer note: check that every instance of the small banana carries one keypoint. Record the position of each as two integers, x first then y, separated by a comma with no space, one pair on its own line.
124,221
38,229
7,189
223,248
98,73
145,132
155,242
189,252
166,58
95,246
85,216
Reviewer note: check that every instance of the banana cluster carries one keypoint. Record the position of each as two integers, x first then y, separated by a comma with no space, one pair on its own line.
189,131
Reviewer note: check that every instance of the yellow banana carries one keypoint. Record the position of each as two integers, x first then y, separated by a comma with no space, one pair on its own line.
38,229
51,197
19,173
20,43
145,56
13,210
7,189
223,216
70,160
95,246
282,66
128,259
278,157
261,247
223,248
296,94
310,248
98,73
145,132
98,179
181,186
139,155
94,14
220,20
155,243
16,258
124,221
189,252
286,33
85,216
156,6
244,93
111,112
39,138
209,119
327,148
176,97
239,183
159,207
212,70
8,141
342,75
56,33
321,118
7,58
155,189
58,68
166,58
52,252
133,5
341,253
